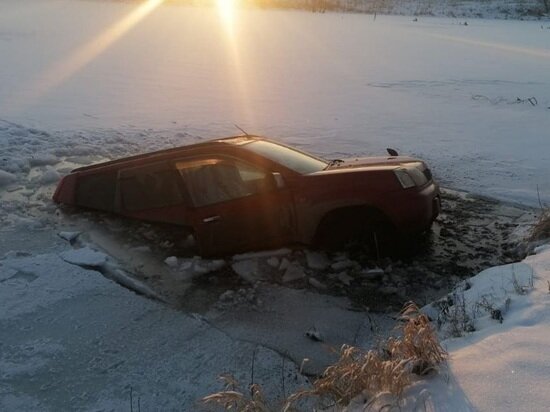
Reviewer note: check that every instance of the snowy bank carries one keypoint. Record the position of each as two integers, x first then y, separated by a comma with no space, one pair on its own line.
503,366
502,362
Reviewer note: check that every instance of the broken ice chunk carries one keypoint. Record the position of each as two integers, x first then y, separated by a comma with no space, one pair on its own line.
316,260
49,176
68,236
6,178
293,272
247,269
84,257
171,261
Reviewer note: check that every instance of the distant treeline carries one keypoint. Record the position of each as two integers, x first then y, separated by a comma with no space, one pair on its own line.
471,8
452,8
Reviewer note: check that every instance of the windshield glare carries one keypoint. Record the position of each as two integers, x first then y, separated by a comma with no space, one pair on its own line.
293,159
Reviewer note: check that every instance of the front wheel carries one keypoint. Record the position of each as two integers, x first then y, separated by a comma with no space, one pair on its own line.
352,229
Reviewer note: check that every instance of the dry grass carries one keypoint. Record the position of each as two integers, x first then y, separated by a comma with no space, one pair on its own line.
356,372
419,345
453,314
541,230
231,399
388,369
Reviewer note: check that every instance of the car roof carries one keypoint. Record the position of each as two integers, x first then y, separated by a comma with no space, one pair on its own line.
232,140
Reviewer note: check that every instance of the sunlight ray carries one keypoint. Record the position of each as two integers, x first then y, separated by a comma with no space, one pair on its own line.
59,72
227,14
226,9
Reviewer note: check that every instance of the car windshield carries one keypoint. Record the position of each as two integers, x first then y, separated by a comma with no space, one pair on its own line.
293,159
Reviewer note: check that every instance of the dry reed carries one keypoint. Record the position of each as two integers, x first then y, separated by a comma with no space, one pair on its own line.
357,372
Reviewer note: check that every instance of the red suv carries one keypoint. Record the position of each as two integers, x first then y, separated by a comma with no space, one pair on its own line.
248,192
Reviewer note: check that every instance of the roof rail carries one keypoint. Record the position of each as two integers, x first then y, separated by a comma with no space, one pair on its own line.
159,153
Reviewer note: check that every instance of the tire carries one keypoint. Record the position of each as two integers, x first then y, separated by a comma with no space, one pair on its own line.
353,228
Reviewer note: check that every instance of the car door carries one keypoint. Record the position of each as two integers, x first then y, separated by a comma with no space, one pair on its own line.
152,192
237,205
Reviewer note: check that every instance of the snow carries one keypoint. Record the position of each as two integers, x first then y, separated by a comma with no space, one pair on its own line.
197,266
491,289
171,261
49,176
293,272
44,159
316,283
501,366
344,278
32,283
286,315
248,270
433,88
70,336
84,257
343,264
141,249
6,178
316,260
512,354
131,283
542,248
68,236
514,359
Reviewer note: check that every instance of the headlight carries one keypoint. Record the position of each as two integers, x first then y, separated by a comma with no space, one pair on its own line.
410,177
404,178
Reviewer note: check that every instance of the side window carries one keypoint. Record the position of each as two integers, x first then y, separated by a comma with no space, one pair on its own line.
97,191
215,180
255,180
149,188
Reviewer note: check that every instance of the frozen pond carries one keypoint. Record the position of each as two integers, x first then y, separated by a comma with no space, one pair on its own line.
335,84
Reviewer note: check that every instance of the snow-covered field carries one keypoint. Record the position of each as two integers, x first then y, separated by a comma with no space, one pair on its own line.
80,83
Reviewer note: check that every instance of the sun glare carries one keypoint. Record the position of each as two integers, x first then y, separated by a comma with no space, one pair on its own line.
74,62
226,9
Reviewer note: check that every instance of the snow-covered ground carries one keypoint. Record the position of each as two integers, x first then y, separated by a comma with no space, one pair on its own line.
81,84
503,365
73,340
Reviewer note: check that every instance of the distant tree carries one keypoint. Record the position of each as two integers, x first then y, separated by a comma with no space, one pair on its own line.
546,5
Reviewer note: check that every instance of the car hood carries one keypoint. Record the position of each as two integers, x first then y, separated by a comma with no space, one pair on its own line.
378,162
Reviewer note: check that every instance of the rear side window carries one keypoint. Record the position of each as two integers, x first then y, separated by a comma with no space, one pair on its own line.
149,188
97,191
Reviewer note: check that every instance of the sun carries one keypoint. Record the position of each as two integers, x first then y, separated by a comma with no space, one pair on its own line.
226,9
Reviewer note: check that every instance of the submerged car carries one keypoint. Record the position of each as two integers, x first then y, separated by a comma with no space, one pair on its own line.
248,192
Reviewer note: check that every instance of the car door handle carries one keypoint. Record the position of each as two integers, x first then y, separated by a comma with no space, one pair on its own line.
211,219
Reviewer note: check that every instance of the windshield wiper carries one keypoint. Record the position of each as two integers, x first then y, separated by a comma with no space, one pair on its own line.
333,162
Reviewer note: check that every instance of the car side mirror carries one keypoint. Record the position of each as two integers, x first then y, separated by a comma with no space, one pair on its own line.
279,181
